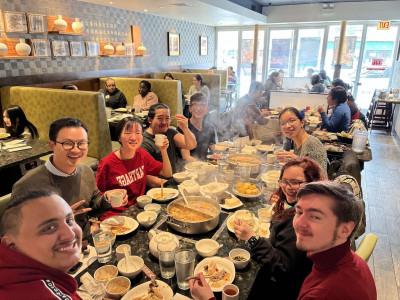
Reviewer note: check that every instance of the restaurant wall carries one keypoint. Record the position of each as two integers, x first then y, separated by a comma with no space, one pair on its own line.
103,23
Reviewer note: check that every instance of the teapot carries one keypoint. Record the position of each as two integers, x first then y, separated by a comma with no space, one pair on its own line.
161,237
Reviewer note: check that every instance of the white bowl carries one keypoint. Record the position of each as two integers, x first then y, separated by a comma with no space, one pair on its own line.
238,252
143,200
105,273
181,176
147,218
191,187
153,207
214,188
207,247
135,266
117,287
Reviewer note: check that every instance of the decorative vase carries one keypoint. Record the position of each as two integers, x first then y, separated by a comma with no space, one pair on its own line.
22,48
108,49
3,49
60,24
120,50
77,26
141,50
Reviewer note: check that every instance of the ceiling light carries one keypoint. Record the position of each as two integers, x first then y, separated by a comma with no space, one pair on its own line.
111,2
145,10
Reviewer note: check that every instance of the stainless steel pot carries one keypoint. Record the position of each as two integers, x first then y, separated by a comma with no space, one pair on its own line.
193,227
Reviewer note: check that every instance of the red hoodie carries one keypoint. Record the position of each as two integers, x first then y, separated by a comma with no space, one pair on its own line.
22,278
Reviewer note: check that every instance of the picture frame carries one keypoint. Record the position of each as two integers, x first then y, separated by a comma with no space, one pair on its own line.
60,48
130,49
92,48
173,44
2,28
36,23
203,45
41,47
77,48
15,21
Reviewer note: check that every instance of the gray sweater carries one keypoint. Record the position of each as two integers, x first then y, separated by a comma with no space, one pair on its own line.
314,149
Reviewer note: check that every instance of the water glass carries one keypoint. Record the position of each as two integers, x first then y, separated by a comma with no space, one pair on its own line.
166,258
184,265
102,244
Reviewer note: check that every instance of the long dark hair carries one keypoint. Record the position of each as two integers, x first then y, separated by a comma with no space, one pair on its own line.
19,122
199,78
312,172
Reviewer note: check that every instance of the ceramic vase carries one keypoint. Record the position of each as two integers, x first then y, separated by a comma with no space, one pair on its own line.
77,26
3,49
22,48
120,50
108,49
141,50
60,24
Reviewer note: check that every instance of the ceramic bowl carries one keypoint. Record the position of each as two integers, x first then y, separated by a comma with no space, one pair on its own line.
105,273
135,266
153,207
143,200
147,218
207,247
117,287
239,257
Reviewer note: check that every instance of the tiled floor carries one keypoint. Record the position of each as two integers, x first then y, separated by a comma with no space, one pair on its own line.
381,183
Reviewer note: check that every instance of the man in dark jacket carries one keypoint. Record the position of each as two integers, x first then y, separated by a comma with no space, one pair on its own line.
114,97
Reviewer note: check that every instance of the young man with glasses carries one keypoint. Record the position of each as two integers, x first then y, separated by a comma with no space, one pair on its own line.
62,173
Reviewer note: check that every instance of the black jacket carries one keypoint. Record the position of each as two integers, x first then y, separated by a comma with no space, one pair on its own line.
115,100
284,267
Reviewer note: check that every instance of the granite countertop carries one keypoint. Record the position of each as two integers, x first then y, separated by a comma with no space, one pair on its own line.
39,148
139,246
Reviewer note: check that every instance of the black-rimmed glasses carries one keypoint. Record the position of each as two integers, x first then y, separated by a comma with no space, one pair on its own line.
292,183
69,145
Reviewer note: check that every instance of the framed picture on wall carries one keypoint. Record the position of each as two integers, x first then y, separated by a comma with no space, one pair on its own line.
60,48
92,49
15,21
41,47
203,45
36,23
2,29
173,44
76,48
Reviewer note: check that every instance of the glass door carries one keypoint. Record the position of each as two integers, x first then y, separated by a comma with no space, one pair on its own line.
246,60
280,50
377,63
227,49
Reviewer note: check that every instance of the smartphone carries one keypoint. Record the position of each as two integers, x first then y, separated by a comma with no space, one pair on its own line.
75,268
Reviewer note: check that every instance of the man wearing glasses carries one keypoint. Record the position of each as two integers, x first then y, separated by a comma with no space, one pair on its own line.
62,173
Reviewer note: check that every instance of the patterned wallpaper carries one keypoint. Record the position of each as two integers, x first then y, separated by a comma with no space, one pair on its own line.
103,23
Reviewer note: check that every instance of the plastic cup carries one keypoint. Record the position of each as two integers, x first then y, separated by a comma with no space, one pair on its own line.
159,139
230,292
184,266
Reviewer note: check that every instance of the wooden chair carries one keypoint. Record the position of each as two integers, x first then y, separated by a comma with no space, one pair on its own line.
367,246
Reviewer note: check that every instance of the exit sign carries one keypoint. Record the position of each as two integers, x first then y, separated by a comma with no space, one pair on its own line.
377,61
383,25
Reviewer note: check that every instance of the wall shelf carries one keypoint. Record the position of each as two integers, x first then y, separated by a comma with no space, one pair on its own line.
21,57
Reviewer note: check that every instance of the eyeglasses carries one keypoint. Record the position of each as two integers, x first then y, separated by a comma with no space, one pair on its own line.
292,183
69,145
290,122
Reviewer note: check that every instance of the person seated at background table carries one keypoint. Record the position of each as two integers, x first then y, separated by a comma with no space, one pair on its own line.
199,86
17,125
113,96
250,109
316,85
340,118
284,267
40,242
62,173
292,126
128,167
356,114
202,130
273,83
168,76
327,215
231,76
146,97
339,82
159,122
325,78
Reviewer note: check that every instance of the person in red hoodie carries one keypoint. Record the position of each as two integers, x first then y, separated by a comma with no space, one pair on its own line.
40,242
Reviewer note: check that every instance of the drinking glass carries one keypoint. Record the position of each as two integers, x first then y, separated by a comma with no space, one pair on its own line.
166,258
102,244
184,265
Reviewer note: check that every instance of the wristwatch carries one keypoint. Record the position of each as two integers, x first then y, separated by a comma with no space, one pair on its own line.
252,242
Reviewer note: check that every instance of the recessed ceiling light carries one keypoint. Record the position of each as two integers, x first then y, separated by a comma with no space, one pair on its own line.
111,2
145,10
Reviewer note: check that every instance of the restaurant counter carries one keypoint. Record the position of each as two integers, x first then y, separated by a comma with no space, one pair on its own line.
139,242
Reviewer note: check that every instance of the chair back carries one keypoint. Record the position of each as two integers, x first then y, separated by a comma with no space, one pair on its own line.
3,203
367,246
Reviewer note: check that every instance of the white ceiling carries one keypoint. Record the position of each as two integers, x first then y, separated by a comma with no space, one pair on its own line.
293,2
209,12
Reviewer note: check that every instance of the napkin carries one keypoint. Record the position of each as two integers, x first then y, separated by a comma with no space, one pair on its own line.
18,149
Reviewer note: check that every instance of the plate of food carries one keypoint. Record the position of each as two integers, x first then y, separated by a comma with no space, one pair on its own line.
195,166
121,110
162,195
147,291
230,202
245,216
265,148
218,272
119,225
246,190
4,135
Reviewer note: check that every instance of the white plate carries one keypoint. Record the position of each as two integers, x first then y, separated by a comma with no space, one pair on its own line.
197,165
265,148
222,263
169,194
231,227
246,195
237,205
130,223
143,288
4,135
121,110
